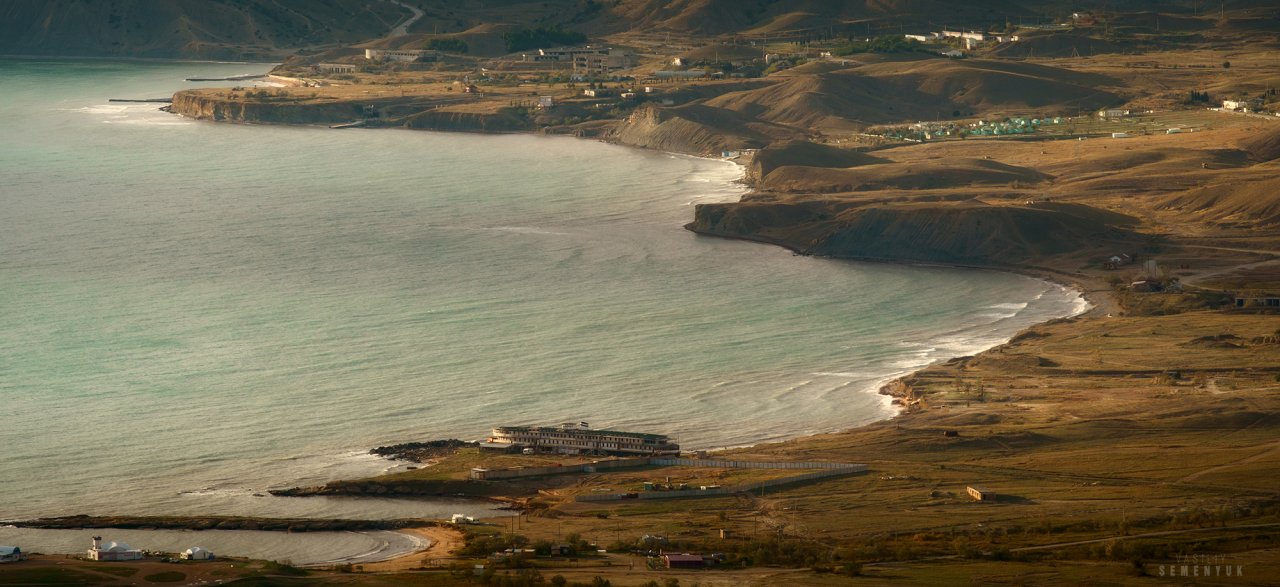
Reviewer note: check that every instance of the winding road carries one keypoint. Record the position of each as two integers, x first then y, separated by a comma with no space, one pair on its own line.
403,28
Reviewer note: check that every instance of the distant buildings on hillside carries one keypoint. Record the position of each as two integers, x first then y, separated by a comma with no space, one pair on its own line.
587,59
970,39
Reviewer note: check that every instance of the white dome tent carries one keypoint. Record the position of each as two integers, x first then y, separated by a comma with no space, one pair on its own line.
196,553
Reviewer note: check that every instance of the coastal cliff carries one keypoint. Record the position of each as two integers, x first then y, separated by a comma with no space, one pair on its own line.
209,106
958,233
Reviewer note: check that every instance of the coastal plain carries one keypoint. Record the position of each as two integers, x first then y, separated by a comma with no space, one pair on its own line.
1120,443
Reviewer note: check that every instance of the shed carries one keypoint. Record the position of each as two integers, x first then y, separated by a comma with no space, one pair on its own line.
10,554
981,493
684,561
196,553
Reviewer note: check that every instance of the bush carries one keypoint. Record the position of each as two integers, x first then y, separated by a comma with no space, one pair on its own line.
541,37
448,45
884,44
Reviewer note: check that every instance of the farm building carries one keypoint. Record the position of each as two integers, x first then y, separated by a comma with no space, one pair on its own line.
981,493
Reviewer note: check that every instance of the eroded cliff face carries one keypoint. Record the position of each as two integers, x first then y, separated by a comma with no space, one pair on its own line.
975,233
444,120
694,129
205,106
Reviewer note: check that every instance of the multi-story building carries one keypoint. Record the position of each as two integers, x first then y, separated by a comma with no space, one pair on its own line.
581,439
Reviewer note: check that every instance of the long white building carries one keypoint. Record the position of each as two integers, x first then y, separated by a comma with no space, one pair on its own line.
581,439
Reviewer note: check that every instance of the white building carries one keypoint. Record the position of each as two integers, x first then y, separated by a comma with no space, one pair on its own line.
1232,104
196,553
1113,113
611,60
10,554
921,38
335,68
112,551
581,439
980,37
404,55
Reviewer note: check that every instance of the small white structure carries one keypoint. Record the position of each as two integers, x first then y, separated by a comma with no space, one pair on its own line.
1119,135
10,554
1113,113
545,102
196,553
112,551
921,38
954,54
1232,104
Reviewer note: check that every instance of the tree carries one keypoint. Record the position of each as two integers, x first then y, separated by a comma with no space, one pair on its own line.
1226,65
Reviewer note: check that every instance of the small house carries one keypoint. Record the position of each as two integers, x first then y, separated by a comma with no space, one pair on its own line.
597,93
1113,113
1232,104
1119,135
954,54
981,493
10,554
196,553
684,561
545,102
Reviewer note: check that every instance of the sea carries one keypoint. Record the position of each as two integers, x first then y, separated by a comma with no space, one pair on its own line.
193,313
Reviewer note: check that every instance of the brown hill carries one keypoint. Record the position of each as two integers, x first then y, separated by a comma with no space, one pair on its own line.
1263,147
697,129
788,153
208,29
917,88
948,173
775,16
1238,203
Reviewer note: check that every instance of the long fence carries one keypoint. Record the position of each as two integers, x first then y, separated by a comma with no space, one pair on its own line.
481,474
824,473
820,471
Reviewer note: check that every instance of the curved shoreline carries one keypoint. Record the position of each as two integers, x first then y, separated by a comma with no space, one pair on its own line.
882,386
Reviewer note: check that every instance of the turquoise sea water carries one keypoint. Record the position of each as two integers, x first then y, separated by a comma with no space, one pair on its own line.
195,312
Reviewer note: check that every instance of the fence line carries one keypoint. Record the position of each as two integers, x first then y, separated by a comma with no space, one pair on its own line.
729,490
481,474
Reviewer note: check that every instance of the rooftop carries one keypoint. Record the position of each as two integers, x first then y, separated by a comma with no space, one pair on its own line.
582,430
